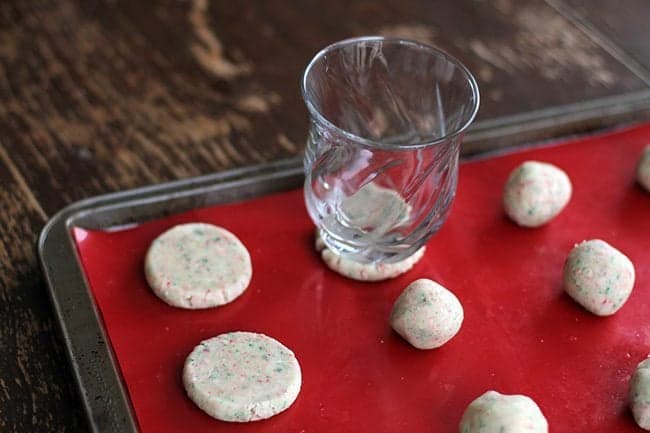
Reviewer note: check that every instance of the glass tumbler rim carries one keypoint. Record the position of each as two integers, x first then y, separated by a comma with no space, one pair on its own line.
315,113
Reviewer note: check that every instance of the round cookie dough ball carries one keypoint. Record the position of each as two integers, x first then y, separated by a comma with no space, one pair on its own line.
535,193
598,276
498,413
643,169
242,376
426,314
197,266
639,397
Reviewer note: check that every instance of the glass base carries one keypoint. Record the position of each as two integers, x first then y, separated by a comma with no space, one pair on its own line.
361,253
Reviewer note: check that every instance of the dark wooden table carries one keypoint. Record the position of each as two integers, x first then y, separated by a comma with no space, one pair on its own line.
98,96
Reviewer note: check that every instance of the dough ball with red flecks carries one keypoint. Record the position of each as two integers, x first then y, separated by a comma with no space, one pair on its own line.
535,193
598,276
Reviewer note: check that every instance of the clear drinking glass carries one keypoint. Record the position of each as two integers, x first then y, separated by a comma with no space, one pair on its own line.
381,164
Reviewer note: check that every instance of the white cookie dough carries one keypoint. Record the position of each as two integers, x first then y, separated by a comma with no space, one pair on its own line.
375,209
426,314
499,413
242,376
535,193
598,276
643,169
197,266
366,271
639,396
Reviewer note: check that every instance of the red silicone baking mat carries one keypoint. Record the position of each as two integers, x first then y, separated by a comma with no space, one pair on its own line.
521,333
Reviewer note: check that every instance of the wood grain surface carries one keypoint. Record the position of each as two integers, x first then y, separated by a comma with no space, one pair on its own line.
37,392
98,96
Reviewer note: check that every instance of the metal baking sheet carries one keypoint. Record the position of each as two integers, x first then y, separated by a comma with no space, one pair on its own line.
94,364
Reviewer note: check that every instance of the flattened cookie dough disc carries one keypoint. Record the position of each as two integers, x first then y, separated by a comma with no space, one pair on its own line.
376,209
242,376
365,271
369,271
197,266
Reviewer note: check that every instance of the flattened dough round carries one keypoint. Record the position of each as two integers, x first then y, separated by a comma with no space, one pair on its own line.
366,271
370,271
598,276
639,396
494,412
535,193
643,169
376,209
426,314
197,266
242,376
